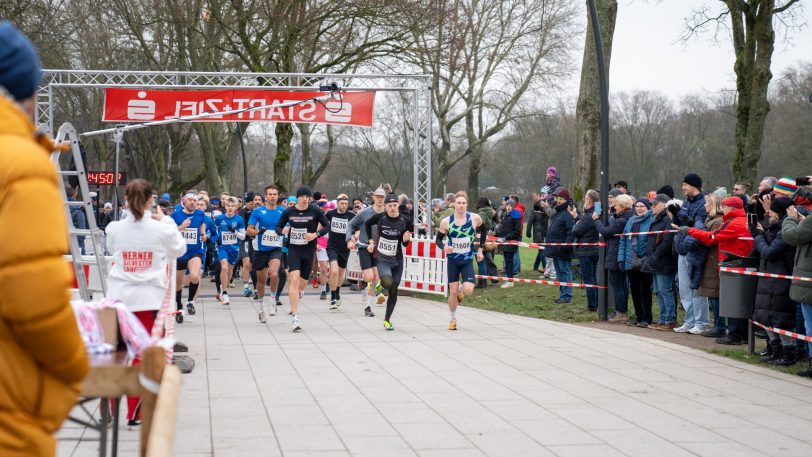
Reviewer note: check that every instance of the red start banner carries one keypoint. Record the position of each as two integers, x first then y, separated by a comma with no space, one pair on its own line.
135,105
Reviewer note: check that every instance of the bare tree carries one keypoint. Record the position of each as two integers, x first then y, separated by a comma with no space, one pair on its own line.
486,58
753,32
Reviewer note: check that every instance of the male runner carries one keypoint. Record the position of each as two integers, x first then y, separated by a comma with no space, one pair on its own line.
461,227
191,225
268,251
231,228
244,257
283,266
369,269
337,251
304,220
207,246
387,245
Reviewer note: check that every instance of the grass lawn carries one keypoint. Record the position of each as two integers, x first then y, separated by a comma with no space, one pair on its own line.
537,301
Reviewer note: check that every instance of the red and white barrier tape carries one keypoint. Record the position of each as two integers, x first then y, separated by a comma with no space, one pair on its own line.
541,281
655,232
794,335
539,245
763,275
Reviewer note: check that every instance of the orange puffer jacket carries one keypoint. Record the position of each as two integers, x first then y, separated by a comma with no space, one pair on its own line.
42,357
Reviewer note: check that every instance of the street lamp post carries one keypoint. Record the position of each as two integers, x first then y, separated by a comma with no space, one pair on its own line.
602,273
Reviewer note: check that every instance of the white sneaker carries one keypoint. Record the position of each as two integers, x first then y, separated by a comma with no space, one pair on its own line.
683,328
697,330
294,324
262,317
338,303
225,299
507,285
272,310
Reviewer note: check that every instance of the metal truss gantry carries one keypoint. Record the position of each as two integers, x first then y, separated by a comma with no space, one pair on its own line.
418,85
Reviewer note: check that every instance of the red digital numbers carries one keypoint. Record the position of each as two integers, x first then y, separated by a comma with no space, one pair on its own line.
105,178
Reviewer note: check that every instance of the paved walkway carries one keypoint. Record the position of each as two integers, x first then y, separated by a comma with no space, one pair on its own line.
500,386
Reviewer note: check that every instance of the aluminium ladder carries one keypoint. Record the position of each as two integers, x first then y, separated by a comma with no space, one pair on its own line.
95,262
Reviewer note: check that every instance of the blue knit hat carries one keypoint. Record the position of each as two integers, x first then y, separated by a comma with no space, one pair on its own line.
20,69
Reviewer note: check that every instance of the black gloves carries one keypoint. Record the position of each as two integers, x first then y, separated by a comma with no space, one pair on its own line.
688,220
684,229
232,229
674,210
754,231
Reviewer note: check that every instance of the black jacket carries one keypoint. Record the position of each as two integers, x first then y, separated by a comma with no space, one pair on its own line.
511,230
560,231
616,225
537,222
584,231
773,306
660,258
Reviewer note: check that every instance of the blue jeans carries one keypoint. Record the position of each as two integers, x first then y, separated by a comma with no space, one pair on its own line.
719,322
695,306
806,309
589,270
563,273
620,290
800,328
510,257
664,290
540,260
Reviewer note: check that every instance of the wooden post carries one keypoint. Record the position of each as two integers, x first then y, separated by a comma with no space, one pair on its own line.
153,362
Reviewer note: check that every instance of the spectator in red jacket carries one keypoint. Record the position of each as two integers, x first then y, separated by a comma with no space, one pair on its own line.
729,239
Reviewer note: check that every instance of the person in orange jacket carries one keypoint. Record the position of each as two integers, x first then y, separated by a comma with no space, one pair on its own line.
42,357
732,237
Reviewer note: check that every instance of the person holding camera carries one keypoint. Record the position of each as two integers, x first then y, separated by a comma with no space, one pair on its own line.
584,231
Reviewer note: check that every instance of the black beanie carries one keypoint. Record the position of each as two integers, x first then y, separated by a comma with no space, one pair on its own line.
666,190
693,179
303,190
780,205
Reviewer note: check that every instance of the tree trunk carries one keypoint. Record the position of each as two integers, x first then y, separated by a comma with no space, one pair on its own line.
588,110
281,162
209,146
753,75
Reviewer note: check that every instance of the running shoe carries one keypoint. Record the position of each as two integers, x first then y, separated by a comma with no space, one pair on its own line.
338,303
246,291
191,308
333,304
368,312
256,295
262,317
225,300
380,299
278,303
294,324
323,296
388,326
378,288
179,317
452,325
231,285
272,310
133,424
507,285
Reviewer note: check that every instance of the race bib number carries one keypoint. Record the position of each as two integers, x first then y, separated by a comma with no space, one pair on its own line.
460,245
271,239
190,235
228,238
388,247
297,236
338,225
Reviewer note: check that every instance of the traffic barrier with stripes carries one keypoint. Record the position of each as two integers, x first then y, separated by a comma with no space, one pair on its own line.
424,268
541,281
764,275
522,244
655,232
794,335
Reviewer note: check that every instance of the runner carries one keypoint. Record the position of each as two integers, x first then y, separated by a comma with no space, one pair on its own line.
369,267
244,258
461,227
283,266
268,252
191,225
391,235
337,251
207,243
304,220
231,229
323,260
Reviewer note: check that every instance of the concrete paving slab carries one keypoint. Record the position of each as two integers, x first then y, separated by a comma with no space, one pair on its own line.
501,385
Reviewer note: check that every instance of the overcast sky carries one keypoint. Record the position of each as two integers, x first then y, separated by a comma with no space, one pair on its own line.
647,52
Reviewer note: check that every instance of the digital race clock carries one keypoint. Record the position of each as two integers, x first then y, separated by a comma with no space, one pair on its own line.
105,178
